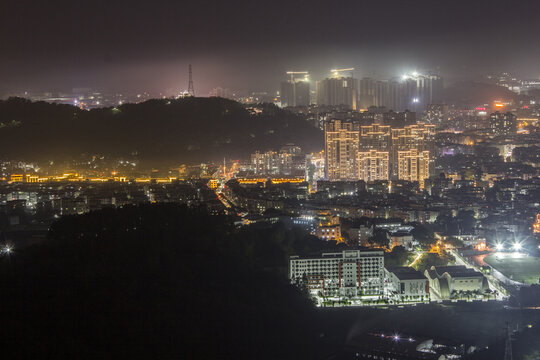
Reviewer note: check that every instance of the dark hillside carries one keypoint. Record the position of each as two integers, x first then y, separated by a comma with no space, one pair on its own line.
183,130
149,282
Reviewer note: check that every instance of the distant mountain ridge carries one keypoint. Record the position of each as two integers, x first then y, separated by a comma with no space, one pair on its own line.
187,130
469,94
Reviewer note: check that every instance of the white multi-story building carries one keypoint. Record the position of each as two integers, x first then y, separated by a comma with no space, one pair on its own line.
449,280
406,284
354,273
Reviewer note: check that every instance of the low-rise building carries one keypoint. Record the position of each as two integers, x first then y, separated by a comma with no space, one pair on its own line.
360,232
404,239
406,284
450,281
329,232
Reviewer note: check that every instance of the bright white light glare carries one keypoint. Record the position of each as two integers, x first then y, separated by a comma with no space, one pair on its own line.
415,73
415,100
499,247
396,337
516,246
411,339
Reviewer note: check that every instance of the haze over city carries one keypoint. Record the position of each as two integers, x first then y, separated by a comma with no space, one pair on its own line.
244,45
270,180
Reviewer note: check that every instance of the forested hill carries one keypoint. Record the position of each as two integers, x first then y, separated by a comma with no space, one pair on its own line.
188,129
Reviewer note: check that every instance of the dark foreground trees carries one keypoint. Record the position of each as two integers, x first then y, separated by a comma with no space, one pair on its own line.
154,282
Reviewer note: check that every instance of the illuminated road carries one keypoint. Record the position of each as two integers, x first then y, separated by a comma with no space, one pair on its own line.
223,200
418,256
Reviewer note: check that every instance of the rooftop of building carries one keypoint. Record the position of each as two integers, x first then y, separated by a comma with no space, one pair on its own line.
406,273
401,234
456,271
339,253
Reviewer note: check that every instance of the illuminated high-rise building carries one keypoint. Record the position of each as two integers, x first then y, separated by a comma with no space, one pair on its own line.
375,137
341,150
271,163
413,165
373,165
420,137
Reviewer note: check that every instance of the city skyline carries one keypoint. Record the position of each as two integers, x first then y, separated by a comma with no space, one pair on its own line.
270,180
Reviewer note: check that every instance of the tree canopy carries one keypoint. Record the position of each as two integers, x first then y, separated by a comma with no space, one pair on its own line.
153,281
188,129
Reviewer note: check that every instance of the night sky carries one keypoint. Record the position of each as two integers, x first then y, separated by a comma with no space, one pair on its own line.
248,45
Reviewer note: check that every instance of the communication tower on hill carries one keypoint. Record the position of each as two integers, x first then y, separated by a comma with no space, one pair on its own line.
191,89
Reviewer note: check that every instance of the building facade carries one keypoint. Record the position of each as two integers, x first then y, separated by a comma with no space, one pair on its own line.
502,123
337,91
413,165
295,93
341,149
354,273
449,281
373,165
406,284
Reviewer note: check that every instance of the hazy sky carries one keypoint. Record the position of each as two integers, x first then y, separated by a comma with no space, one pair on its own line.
137,45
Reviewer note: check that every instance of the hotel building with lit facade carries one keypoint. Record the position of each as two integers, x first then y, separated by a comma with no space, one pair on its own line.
353,273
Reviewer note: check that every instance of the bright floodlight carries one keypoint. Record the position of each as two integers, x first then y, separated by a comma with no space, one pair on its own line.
415,100
516,246
499,247
415,73
396,337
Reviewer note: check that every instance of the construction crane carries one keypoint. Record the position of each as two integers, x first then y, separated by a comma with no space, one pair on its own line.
337,71
292,73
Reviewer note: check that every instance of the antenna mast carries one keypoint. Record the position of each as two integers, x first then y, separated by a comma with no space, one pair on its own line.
191,89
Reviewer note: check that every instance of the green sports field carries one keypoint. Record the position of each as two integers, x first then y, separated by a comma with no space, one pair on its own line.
523,269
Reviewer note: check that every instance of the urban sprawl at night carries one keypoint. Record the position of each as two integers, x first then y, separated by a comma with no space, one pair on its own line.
272,205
